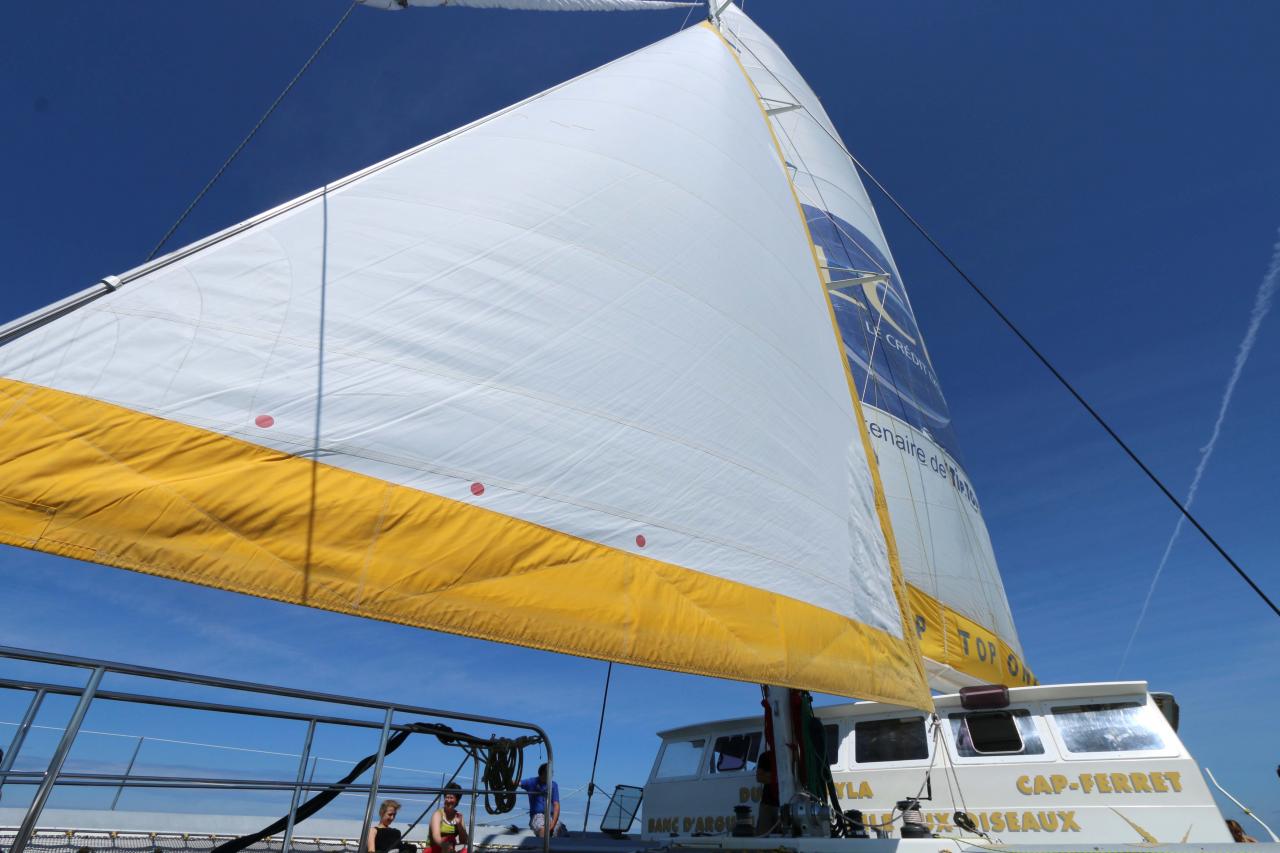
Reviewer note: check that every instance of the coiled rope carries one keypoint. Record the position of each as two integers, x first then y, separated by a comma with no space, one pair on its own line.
503,763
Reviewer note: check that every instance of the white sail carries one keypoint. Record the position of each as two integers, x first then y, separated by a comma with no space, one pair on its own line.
962,615
565,378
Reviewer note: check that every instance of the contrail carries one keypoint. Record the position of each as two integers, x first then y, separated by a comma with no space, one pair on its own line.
1261,305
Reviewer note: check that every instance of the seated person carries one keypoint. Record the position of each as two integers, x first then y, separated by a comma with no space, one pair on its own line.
382,838
537,788
448,829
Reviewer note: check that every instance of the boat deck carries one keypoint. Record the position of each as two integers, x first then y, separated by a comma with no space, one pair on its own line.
500,839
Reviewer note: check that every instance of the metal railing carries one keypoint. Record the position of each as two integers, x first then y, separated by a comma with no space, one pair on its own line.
54,775
63,840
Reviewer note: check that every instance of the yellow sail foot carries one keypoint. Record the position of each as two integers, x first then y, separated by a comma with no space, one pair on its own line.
90,480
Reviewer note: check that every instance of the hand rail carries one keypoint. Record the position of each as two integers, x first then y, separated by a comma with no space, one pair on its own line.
53,775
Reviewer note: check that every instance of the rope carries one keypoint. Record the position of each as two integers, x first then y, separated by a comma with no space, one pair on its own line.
261,121
950,772
503,760
502,771
1044,360
895,815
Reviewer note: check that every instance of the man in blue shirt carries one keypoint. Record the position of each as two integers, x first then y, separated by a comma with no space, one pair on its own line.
537,788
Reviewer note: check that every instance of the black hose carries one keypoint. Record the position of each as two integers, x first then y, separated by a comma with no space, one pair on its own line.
503,759
314,804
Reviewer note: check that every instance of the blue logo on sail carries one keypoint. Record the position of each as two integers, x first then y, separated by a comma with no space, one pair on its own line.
881,339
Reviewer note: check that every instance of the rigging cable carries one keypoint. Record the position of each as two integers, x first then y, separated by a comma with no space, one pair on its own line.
951,771
686,17
431,805
1023,338
895,814
261,121
591,786
1066,384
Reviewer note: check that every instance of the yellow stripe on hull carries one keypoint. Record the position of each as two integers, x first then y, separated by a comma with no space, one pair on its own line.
86,479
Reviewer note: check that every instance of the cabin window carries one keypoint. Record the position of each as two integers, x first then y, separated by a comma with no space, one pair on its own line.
680,758
735,753
995,733
831,739
1116,727
890,740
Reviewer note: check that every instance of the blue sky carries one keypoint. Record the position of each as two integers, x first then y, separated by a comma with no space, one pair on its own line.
1108,171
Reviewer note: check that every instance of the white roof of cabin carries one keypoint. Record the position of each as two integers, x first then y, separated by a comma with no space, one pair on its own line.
946,702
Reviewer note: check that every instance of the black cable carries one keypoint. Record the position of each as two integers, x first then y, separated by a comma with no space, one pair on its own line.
1034,350
261,121
503,760
1065,384
591,786
436,798
472,745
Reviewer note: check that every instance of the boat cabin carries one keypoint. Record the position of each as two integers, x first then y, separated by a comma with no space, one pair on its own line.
1064,763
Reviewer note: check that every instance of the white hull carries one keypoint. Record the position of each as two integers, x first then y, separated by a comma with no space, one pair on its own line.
933,845
1050,796
1138,784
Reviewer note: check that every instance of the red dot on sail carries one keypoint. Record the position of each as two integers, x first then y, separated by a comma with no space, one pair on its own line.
264,421
640,540
477,489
